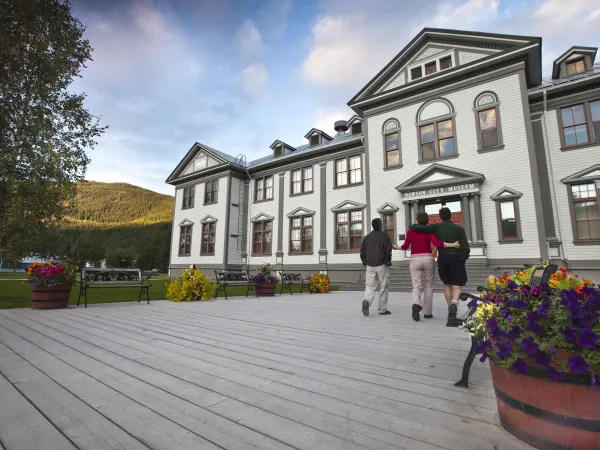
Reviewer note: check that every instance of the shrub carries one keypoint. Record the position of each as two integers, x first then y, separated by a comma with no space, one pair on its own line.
319,282
192,285
51,273
555,326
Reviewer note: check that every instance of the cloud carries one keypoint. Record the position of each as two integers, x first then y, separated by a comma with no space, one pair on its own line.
254,79
326,117
248,41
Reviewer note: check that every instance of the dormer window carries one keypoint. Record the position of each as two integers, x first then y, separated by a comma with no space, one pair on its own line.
278,151
314,140
430,68
576,66
446,63
416,73
357,128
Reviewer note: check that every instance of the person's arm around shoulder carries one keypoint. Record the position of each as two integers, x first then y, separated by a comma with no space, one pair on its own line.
440,244
432,228
363,251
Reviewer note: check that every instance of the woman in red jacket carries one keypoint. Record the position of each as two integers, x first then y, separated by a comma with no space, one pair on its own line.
422,266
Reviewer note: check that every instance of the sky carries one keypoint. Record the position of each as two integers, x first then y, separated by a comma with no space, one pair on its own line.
238,74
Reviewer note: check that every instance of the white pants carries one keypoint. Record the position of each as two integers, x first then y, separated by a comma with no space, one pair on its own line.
422,268
377,277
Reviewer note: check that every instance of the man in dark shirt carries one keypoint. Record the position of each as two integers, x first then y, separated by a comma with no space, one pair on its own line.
376,256
451,261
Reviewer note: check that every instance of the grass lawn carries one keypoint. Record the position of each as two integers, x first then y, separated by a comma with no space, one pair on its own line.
12,275
15,294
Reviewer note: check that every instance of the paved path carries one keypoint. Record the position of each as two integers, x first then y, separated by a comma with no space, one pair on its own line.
290,372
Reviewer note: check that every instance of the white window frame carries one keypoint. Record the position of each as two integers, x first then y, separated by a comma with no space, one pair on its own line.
435,58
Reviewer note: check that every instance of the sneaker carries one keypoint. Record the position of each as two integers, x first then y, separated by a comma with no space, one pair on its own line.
428,316
365,307
385,312
416,309
452,310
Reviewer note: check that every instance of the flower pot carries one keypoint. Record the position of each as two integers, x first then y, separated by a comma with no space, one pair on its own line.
548,414
50,297
266,289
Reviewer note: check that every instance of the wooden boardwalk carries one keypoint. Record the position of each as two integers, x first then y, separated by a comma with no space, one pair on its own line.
290,372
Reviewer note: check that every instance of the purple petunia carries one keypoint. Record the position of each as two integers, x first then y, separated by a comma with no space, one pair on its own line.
533,316
519,303
578,365
520,366
570,334
544,307
529,346
492,326
511,284
504,350
506,314
472,303
484,346
587,338
484,356
535,328
542,358
554,374
536,291
515,332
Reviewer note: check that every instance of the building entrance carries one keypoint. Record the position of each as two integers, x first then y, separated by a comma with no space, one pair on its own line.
433,210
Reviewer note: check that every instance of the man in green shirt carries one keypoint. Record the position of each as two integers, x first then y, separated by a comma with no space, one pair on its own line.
451,261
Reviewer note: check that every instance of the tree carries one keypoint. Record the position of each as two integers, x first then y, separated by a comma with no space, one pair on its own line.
44,128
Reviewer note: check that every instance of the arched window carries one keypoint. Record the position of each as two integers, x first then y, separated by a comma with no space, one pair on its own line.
436,130
391,144
487,119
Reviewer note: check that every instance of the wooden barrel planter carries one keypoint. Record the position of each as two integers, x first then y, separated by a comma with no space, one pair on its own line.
547,414
50,297
266,289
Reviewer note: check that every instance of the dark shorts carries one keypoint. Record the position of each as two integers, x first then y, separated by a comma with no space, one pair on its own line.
451,268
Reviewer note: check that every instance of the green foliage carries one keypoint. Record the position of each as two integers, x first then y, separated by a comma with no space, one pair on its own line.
44,126
193,285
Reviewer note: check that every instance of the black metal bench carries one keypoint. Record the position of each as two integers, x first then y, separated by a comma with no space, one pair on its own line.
541,275
293,278
226,278
113,278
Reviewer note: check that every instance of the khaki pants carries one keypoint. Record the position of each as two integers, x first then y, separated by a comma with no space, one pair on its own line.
377,277
422,268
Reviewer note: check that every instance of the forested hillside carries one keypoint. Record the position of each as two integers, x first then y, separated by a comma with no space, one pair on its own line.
124,224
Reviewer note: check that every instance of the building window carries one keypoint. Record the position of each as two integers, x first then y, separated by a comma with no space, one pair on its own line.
595,113
586,212
278,150
507,212
348,230
211,192
389,225
508,220
430,68
208,238
416,73
574,125
301,234
445,63
391,143
488,128
185,240
575,67
261,238
188,197
437,140
357,128
348,171
314,140
302,181
263,188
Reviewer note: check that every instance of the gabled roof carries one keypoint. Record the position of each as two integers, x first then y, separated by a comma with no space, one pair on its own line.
223,158
278,142
590,174
354,118
507,44
506,193
316,130
576,49
445,175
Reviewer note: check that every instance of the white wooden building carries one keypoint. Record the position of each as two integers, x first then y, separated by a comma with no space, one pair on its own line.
458,119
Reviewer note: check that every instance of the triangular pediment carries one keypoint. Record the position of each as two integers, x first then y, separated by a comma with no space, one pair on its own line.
198,159
298,212
387,207
185,223
348,205
208,219
262,217
506,193
574,52
431,45
438,175
590,174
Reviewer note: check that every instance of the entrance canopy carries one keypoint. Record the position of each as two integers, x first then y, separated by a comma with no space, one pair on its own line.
440,181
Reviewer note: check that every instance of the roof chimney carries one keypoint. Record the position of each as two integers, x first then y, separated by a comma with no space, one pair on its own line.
340,126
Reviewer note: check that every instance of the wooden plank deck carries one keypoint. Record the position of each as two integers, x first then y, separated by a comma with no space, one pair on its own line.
290,372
